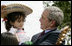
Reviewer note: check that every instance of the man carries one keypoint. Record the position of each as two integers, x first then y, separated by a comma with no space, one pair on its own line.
51,18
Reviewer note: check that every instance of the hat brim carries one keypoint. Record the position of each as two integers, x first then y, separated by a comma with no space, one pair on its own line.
16,8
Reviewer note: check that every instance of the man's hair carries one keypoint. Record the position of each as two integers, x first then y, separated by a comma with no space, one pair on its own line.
8,39
56,14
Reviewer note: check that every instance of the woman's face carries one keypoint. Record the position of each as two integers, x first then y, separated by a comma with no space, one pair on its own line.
18,23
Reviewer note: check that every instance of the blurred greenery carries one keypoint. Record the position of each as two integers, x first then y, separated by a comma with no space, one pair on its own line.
28,43
66,7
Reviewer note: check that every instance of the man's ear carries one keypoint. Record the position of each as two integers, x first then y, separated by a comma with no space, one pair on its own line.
52,23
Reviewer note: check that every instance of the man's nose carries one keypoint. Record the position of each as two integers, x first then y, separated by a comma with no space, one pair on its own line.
40,19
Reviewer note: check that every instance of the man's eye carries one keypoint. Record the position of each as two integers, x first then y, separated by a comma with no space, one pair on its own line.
43,17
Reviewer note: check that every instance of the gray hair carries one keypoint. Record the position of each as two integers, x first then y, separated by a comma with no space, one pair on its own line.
56,14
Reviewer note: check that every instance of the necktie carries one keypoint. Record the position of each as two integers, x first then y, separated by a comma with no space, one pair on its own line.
41,34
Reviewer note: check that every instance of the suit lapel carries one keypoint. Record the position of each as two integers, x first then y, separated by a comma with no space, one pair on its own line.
43,37
39,40
36,37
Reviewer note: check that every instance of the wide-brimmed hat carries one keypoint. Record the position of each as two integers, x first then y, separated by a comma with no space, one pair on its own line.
16,8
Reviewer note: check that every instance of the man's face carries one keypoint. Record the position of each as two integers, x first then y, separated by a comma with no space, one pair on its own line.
45,23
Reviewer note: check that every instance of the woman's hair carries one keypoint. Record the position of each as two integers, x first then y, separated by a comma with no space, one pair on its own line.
8,39
12,17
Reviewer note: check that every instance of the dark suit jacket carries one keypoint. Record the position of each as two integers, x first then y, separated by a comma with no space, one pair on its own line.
49,38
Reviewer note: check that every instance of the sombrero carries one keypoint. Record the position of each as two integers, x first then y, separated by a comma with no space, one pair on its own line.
16,8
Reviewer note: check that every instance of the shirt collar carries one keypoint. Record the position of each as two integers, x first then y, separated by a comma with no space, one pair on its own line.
48,30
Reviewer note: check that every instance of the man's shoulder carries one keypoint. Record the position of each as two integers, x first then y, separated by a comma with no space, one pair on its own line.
35,37
56,31
37,34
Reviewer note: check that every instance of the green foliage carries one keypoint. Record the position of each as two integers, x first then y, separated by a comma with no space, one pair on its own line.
66,7
28,43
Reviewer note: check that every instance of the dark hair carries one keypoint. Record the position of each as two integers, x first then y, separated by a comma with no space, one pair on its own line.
12,17
8,39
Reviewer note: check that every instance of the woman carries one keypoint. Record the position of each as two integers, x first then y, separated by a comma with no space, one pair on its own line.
14,16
